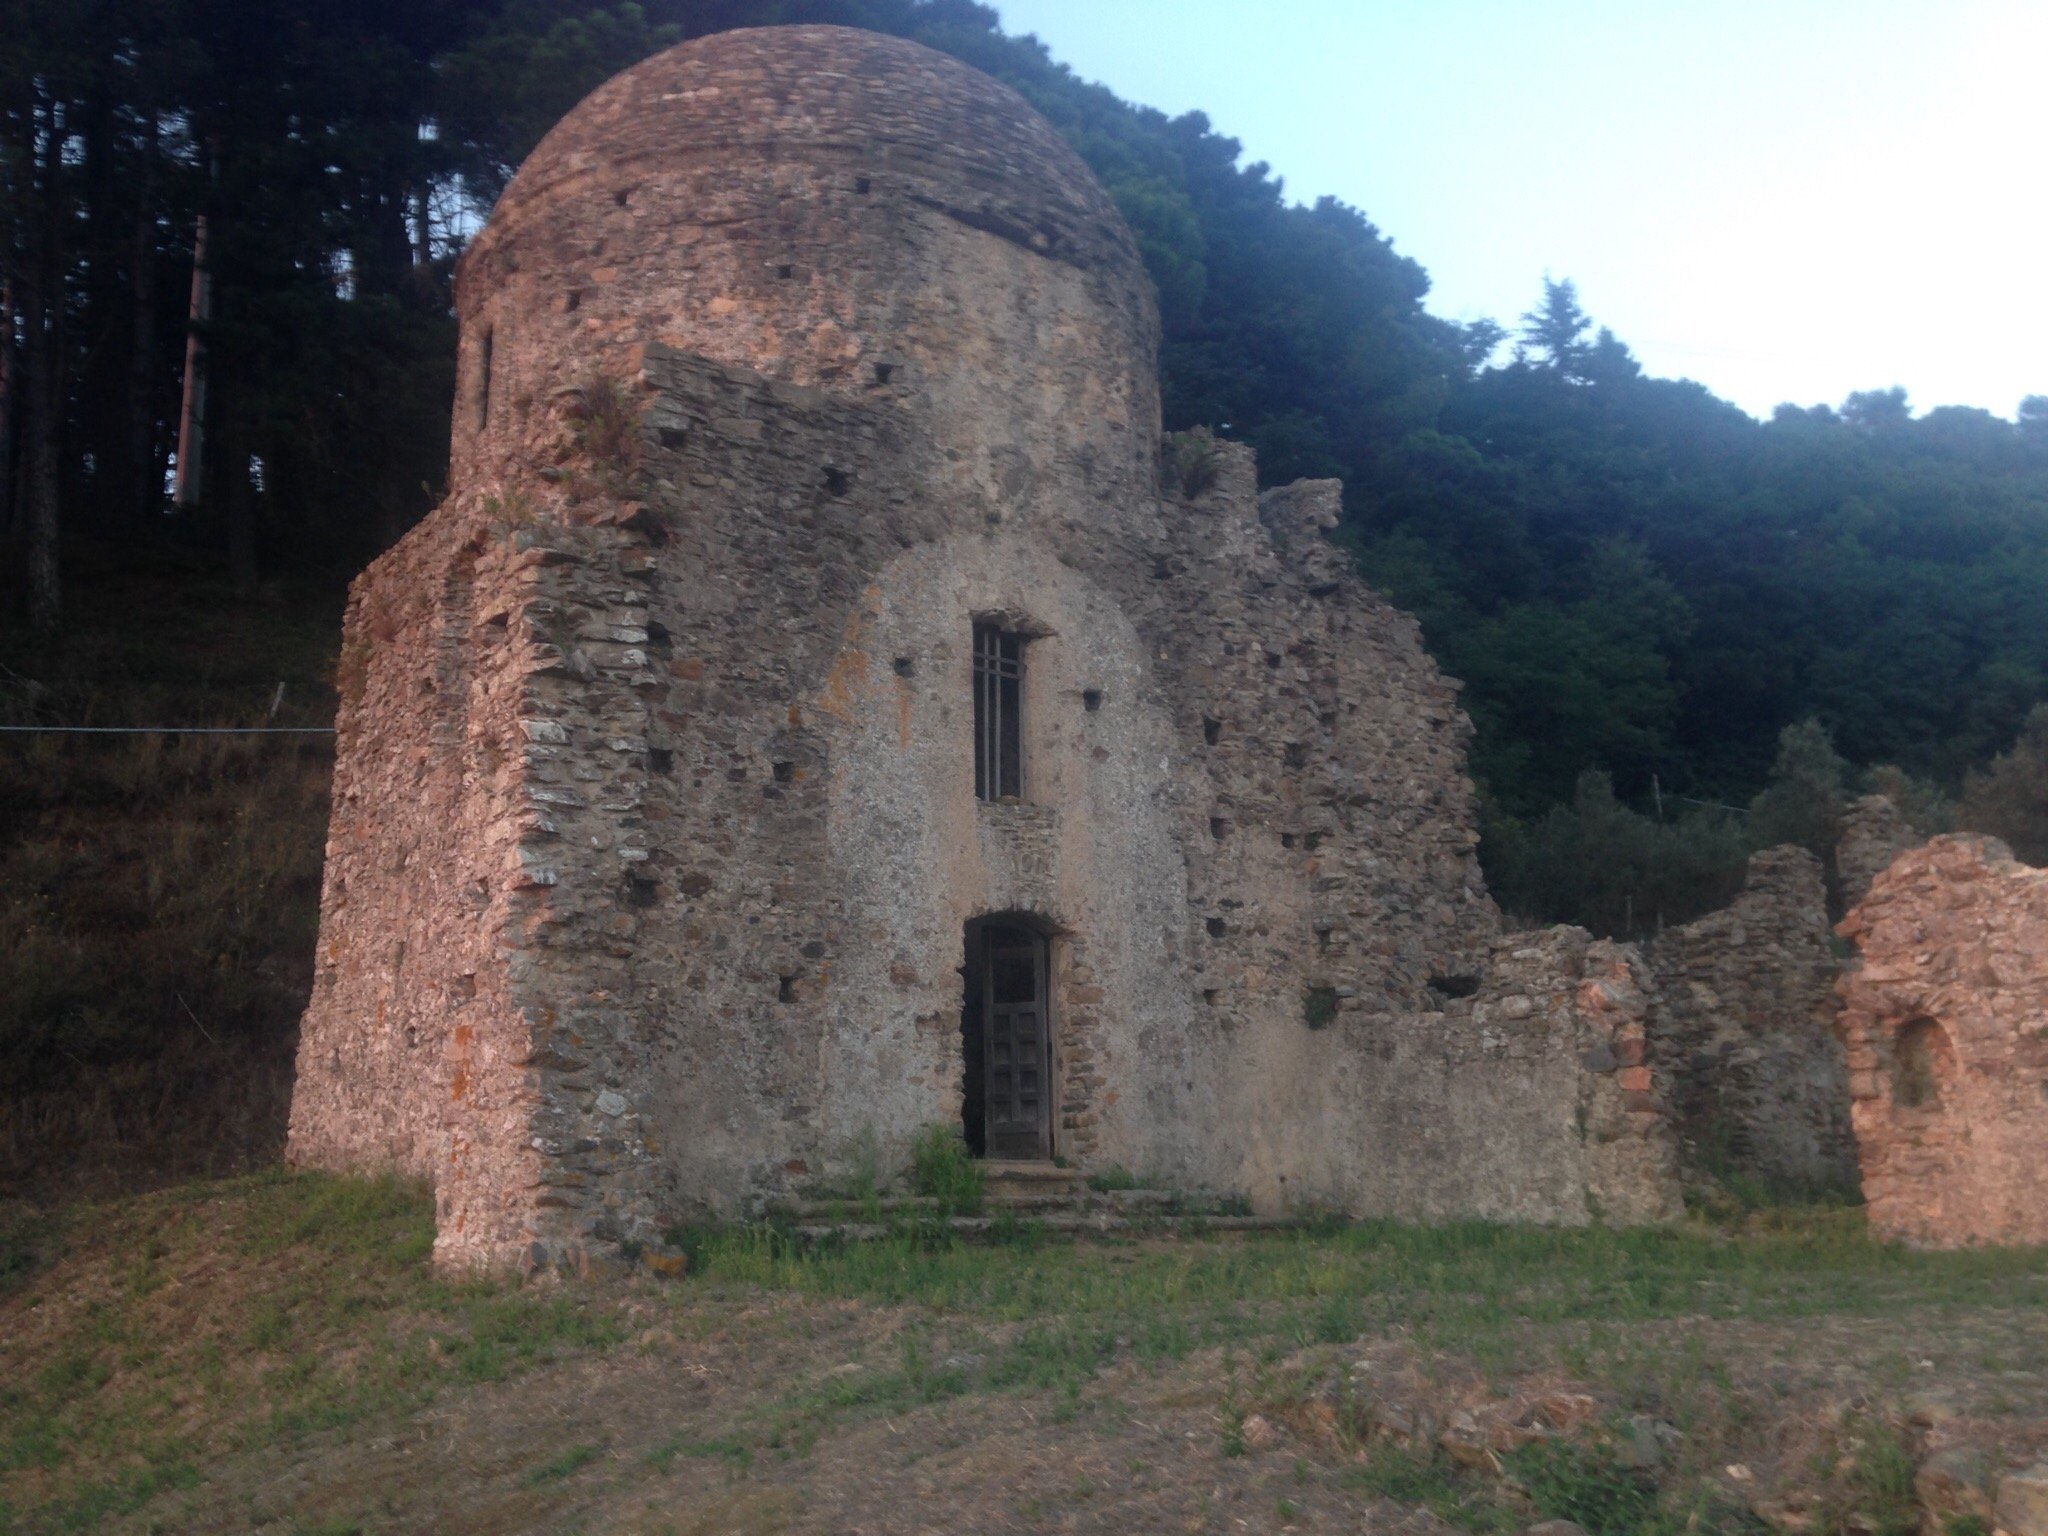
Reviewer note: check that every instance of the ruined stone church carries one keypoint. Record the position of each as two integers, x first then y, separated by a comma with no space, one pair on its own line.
825,708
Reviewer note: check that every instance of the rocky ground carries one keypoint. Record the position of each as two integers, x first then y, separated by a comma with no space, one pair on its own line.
272,1354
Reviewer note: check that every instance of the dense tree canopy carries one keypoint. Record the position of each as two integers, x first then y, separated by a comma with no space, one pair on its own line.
1633,577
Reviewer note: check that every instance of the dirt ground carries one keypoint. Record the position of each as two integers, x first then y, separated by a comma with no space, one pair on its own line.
1141,1449
1355,1380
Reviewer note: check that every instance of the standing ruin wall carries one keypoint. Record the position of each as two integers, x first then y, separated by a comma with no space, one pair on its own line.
1945,1021
1743,1028
788,359
1874,832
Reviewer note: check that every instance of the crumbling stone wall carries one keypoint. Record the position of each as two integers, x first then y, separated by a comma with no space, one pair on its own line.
1874,832
429,1074
1945,1020
1744,1028
789,356
1531,1098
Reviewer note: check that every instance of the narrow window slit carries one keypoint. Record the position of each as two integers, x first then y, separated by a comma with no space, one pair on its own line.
483,381
998,723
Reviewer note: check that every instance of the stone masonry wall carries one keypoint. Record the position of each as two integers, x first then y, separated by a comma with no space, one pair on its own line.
1874,832
415,1050
1743,1027
790,356
1529,1099
1945,1020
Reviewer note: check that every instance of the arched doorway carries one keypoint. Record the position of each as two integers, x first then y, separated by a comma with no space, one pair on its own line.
1006,1040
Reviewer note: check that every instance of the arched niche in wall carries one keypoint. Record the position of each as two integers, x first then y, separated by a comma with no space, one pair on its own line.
1923,1065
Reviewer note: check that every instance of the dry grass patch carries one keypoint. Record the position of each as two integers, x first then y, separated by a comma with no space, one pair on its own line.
158,893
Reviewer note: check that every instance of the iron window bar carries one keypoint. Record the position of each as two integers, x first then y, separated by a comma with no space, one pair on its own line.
998,695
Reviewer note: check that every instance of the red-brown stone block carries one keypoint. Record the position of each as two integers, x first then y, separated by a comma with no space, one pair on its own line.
1945,1021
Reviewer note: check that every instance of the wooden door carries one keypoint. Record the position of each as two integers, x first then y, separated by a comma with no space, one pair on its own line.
1016,1044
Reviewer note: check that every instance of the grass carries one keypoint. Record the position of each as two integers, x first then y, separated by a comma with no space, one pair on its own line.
1870,1488
1432,1482
566,1465
235,1315
1054,1318
143,1342
1458,1281
733,1452
1587,1485
943,1170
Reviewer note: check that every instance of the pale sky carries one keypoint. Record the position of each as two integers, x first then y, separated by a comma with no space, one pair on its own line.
1784,199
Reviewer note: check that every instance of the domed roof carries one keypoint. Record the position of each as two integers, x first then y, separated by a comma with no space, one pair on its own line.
945,134
828,208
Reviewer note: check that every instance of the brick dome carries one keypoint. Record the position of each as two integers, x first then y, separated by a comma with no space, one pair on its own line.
821,206
876,108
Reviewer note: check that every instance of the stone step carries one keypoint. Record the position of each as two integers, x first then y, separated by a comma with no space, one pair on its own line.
1186,1201
1078,1224
1066,1199
1005,1180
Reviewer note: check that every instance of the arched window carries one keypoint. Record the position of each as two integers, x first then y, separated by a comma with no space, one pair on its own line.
1923,1061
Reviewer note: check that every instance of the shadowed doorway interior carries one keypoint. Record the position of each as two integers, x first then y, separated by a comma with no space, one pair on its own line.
1006,1041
